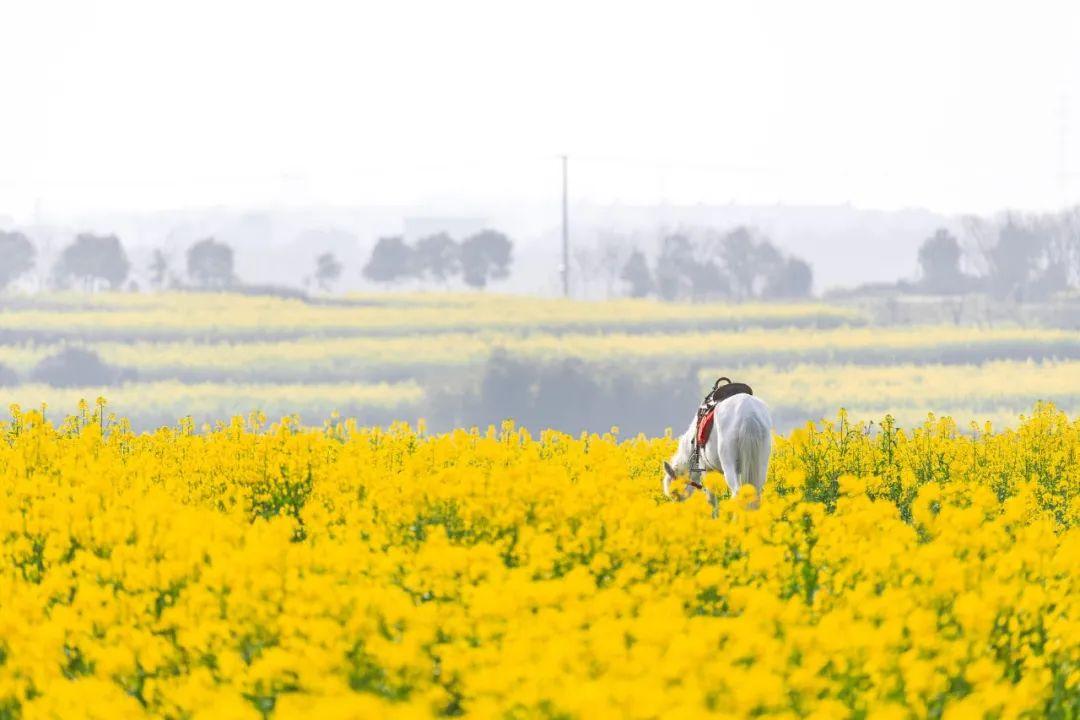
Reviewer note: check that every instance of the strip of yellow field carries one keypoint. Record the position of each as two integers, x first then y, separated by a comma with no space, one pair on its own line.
149,404
913,388
997,392
338,357
761,345
128,316
969,418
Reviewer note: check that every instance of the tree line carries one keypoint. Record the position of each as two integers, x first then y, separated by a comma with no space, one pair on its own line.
100,261
736,265
95,261
1014,257
477,259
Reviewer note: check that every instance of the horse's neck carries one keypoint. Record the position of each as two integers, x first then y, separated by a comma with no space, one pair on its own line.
681,461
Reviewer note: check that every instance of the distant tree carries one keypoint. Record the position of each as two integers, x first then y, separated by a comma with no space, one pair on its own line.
1062,267
708,279
637,275
613,252
1025,257
738,264
673,265
1052,253
1066,244
16,256
1063,249
1013,258
91,258
210,264
742,258
757,269
159,269
391,259
327,270
791,279
708,282
74,367
768,261
437,257
1054,278
485,256
586,268
939,262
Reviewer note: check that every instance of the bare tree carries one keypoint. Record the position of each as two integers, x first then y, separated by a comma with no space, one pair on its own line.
977,236
1026,257
613,252
1064,246
675,263
159,268
587,266
636,274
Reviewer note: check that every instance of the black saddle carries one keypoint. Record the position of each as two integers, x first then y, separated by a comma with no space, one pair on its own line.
723,389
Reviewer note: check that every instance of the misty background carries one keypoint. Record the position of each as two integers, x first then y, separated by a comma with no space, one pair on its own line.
912,165
845,133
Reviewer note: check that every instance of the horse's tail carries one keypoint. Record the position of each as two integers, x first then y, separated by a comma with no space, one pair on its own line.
753,449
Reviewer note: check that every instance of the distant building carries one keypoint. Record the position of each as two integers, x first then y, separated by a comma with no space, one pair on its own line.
456,227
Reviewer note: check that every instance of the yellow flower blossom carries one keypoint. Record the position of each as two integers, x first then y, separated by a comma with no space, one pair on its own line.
255,570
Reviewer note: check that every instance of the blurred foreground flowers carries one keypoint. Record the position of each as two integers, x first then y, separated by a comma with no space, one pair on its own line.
339,572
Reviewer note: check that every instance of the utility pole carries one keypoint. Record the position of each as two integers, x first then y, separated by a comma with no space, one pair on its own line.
565,235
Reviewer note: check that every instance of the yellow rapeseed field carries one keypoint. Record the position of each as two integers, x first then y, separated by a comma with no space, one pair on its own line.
342,572
452,349
154,315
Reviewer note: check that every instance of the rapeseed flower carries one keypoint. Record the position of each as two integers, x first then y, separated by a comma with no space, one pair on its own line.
255,570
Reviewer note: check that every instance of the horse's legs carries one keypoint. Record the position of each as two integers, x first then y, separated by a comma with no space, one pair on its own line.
728,465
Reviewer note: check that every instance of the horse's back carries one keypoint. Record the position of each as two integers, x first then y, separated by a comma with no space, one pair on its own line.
742,413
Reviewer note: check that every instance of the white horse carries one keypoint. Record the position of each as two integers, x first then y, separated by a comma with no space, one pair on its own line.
739,445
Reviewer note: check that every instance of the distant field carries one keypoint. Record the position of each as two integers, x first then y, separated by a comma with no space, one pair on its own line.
220,317
314,359
997,393
994,391
153,404
638,364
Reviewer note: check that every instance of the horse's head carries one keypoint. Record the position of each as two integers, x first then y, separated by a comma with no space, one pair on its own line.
669,477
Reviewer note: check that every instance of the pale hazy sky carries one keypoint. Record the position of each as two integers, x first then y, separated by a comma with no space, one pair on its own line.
955,106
